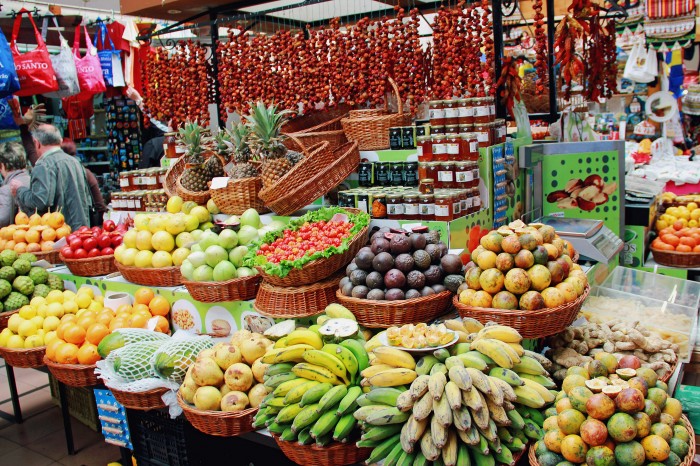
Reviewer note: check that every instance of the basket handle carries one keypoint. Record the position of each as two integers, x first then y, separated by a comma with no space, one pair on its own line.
398,96
297,141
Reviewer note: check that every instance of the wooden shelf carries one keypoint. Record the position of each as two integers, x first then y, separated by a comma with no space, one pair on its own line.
100,148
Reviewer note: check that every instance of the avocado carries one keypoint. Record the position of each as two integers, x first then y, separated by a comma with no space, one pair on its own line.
453,282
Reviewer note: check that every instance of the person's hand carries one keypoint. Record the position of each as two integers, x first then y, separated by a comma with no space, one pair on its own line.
133,94
14,184
30,116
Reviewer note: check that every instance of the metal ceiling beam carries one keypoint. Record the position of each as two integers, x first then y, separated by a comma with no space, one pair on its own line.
421,7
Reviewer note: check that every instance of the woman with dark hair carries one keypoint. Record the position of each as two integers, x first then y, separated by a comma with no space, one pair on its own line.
68,146
13,166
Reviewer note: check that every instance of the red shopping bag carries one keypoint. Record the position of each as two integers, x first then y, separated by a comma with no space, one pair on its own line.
34,69
89,69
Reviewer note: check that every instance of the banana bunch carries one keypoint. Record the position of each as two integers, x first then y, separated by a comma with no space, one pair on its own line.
314,389
389,367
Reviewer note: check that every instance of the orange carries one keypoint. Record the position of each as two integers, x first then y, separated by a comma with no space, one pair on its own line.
62,327
688,242
162,325
67,353
51,349
140,308
74,334
124,308
96,332
143,296
19,236
138,321
117,323
666,231
696,248
104,318
86,321
87,354
683,248
20,248
656,243
159,306
673,240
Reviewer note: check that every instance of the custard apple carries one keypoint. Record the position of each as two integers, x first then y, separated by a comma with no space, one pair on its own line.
5,288
41,291
2,307
28,256
24,285
39,275
8,273
22,266
55,282
8,256
15,301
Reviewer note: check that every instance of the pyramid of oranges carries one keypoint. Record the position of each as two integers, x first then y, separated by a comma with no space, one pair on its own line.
35,233
78,334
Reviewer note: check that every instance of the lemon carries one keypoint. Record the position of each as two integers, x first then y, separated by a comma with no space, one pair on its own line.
51,323
15,341
55,309
13,322
27,312
87,290
36,301
33,341
95,306
54,296
100,299
695,214
4,336
129,239
660,225
38,321
143,240
68,295
27,328
141,222
163,241
144,259
174,204
175,224
693,223
41,310
83,300
50,336
157,224
70,307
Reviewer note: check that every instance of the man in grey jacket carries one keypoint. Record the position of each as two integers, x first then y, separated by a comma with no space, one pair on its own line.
13,166
58,181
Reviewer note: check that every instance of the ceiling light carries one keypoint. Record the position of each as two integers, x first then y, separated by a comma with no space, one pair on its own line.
174,12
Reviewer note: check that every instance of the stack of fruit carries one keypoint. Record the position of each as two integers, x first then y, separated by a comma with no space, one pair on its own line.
20,281
522,267
681,211
678,238
314,384
93,242
605,422
37,233
477,403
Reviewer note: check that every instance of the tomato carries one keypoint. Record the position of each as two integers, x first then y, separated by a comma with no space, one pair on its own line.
308,239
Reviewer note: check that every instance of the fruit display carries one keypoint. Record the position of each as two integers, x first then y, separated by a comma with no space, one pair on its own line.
20,281
679,210
402,265
314,380
315,235
628,420
677,237
198,172
419,336
35,233
522,267
630,344
93,242
476,403
229,376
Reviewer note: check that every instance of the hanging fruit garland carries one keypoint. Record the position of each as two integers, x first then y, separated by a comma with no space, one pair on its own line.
540,49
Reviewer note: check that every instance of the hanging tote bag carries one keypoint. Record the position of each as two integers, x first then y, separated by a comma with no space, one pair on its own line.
110,58
89,70
34,69
63,65
9,82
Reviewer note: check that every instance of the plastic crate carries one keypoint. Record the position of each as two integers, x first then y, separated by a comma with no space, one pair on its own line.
112,415
159,440
81,403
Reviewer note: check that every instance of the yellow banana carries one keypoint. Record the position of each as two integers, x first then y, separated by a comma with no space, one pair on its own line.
376,369
529,397
472,399
496,394
338,311
419,387
454,395
506,388
455,325
472,325
314,372
497,413
442,412
281,343
500,332
306,337
394,357
291,353
449,451
438,432
479,380
285,387
427,446
539,388
423,407
510,350
518,348
330,362
490,348
392,378
436,385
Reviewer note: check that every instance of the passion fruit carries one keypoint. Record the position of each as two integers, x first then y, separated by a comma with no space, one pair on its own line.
626,373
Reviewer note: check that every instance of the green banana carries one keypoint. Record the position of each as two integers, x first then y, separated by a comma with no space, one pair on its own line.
438,367
295,394
261,418
384,395
406,459
304,437
505,435
363,412
516,444
425,364
344,427
288,413
469,436
276,380
315,393
368,443
307,416
288,435
345,356
535,415
325,424
279,368
324,439
546,382
383,450
358,350
393,456
332,398
441,354
483,445
504,456
277,429
532,430
378,433
463,458
386,416
494,445
362,400
276,402
507,375
471,360
349,401
489,362
529,365
517,421
421,460
520,434
453,361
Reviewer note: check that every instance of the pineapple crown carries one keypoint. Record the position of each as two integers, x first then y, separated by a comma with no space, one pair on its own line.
220,139
265,125
191,134
237,142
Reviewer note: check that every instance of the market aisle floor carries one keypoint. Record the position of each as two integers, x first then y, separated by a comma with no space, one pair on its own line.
40,440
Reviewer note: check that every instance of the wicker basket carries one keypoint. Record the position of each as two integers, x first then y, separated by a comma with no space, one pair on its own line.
347,158
218,423
29,358
143,401
236,289
367,112
319,269
73,375
91,267
52,257
4,317
686,260
372,132
200,198
167,276
331,131
530,324
384,314
334,454
239,196
314,122
296,301
172,176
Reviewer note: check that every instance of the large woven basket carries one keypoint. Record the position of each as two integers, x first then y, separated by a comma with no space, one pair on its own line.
384,314
4,317
29,358
334,454
531,324
52,257
372,132
330,131
91,267
239,196
346,159
296,301
143,401
316,158
314,122
167,276
319,269
172,176
218,423
676,259
236,289
74,375
200,197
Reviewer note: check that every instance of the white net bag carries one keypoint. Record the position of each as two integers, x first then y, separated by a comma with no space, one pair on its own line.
172,360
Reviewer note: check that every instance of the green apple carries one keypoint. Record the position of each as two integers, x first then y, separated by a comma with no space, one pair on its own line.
237,254
197,234
203,273
196,248
223,271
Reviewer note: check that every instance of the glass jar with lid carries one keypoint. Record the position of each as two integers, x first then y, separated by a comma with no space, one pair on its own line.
451,112
476,200
466,112
424,148
411,206
124,180
365,174
437,130
439,147
482,109
410,174
443,207
161,177
471,146
151,179
379,207
463,195
397,174
170,145
453,144
451,129
483,134
436,109
382,173
501,131
427,186
456,204
427,206
463,175
394,206
446,175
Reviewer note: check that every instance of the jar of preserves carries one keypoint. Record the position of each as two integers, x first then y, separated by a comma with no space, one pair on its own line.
439,147
397,174
410,174
152,179
437,130
379,208
501,131
443,207
468,206
170,145
422,170
161,177
492,107
408,137
395,138
424,148
453,146
465,113
446,175
426,206
124,181
451,112
381,174
463,196
451,129
427,186
475,174
464,129
421,130
432,171
463,174
394,206
471,146
456,204
476,201
411,206
366,174
483,134
436,109
482,110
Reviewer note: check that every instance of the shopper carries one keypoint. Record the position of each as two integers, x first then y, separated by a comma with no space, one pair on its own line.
27,123
13,166
152,138
100,208
58,181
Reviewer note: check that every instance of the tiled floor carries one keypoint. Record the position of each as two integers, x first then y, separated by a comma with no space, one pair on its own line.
40,439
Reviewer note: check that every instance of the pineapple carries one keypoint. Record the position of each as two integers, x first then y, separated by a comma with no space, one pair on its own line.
214,167
238,143
265,141
195,176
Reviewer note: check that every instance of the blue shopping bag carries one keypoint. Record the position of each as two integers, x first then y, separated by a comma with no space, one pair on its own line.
9,82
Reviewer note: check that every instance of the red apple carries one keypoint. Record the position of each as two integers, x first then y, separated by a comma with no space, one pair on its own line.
107,251
89,243
629,362
82,229
94,252
75,244
80,253
104,241
96,231
67,252
116,241
108,225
